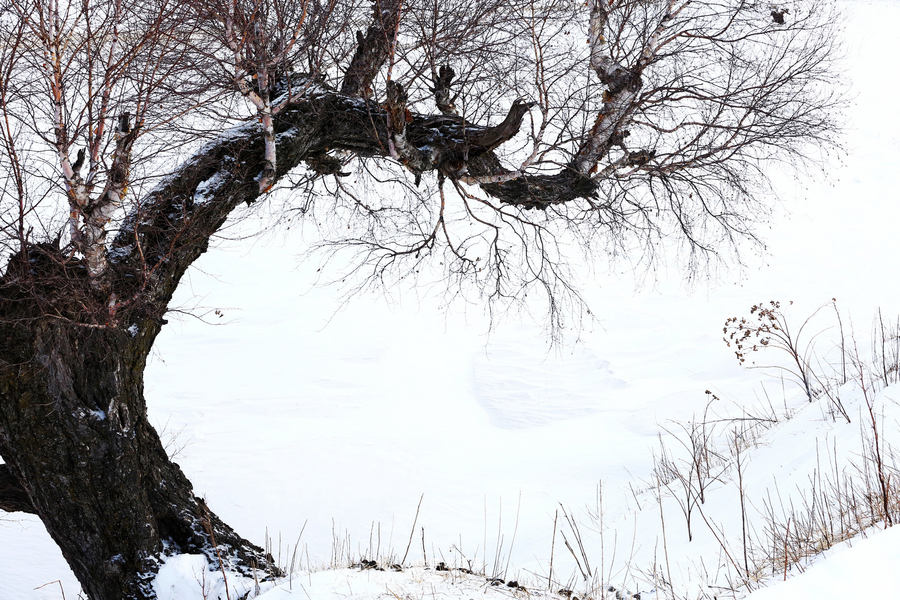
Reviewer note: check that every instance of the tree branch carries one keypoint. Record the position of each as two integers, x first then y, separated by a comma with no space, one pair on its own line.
398,115
99,212
441,89
492,137
173,224
622,87
373,49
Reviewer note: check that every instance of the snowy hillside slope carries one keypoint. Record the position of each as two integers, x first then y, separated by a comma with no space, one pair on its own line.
796,484
292,414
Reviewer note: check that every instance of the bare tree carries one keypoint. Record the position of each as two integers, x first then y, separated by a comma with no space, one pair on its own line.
486,139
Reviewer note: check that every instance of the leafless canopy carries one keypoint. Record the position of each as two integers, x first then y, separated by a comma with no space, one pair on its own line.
487,139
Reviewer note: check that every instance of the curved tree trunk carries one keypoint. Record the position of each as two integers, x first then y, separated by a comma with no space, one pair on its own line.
74,432
73,422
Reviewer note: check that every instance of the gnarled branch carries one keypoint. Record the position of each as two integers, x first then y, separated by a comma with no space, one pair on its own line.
373,48
441,89
173,223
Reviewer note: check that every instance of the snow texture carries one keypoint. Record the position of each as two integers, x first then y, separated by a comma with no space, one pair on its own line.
861,568
206,189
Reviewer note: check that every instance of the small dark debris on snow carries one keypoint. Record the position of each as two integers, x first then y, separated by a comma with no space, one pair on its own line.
396,567
624,594
565,592
513,584
495,581
441,567
367,564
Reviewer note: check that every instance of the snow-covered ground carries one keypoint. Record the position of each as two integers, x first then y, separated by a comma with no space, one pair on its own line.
292,413
848,570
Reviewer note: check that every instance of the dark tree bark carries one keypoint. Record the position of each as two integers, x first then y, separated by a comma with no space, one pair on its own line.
13,497
81,454
373,48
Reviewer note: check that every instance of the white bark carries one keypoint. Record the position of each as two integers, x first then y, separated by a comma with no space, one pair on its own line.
101,210
260,99
623,84
88,217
